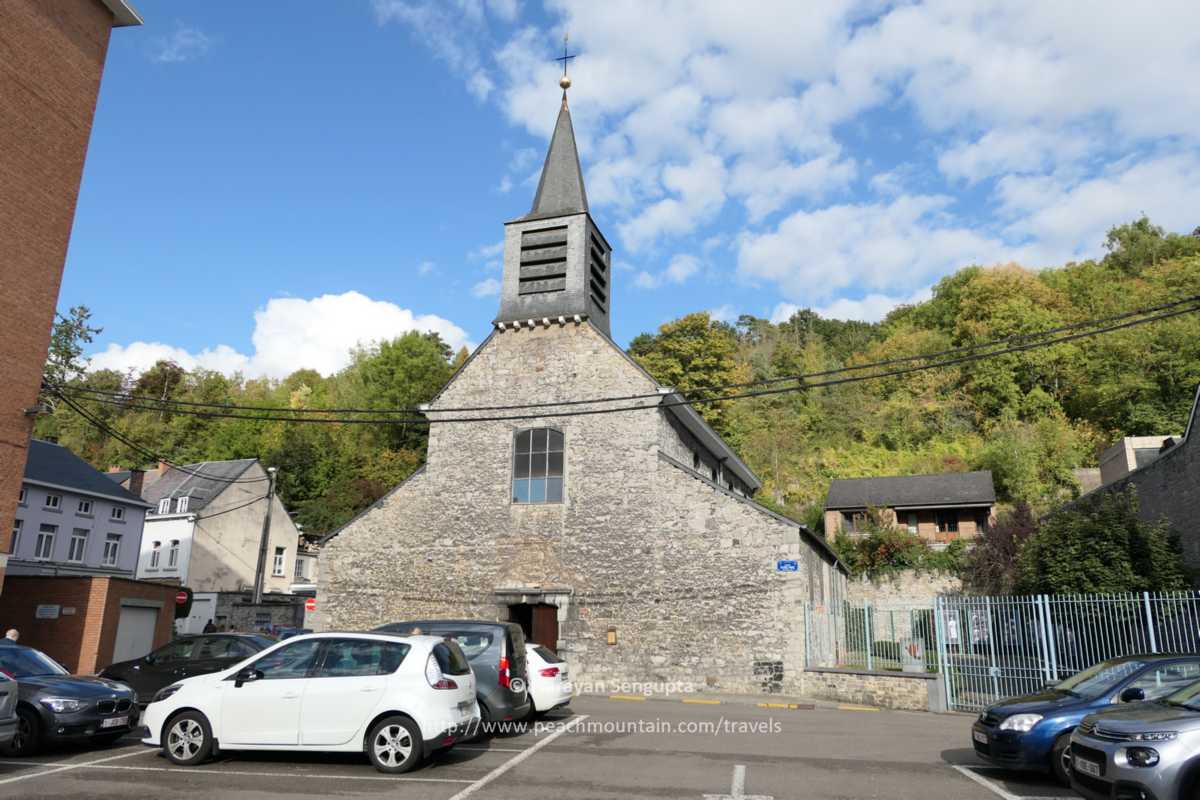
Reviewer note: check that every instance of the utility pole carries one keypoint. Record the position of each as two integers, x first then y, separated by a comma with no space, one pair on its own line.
260,569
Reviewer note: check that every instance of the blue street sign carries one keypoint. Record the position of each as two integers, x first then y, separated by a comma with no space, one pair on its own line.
786,565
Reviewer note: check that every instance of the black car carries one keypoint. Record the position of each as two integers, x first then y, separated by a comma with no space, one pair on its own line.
55,706
182,658
496,651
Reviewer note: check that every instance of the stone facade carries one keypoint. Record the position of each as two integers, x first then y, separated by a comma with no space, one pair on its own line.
679,571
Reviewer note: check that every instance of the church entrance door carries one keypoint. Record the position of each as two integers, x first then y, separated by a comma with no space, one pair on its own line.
539,621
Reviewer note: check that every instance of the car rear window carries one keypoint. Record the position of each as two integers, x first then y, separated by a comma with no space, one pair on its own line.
451,659
547,655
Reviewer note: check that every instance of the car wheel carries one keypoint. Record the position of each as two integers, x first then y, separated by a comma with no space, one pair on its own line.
394,745
28,738
188,740
1060,757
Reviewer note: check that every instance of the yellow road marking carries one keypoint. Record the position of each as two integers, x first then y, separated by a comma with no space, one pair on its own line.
699,702
634,697
856,708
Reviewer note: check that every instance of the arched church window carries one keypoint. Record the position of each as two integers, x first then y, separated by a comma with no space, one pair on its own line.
538,466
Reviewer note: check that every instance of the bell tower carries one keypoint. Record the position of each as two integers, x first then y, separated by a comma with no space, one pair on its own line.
557,264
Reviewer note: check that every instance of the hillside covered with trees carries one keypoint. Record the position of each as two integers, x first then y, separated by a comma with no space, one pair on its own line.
1030,417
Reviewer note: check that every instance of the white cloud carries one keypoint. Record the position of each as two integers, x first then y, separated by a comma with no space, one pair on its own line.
489,287
426,268
871,308
678,271
723,313
184,44
293,333
906,243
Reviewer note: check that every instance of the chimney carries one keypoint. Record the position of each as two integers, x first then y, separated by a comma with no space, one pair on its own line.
136,478
162,468
114,468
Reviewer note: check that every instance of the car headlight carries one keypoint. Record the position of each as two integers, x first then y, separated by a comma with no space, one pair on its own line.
1021,723
165,692
1142,756
63,705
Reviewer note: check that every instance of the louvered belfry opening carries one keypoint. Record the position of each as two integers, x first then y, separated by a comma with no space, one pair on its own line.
597,260
543,260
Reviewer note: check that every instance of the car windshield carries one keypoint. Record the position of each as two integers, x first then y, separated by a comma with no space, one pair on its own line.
28,663
1100,678
1187,697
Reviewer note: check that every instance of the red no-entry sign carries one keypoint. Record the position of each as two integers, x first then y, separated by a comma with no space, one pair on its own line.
181,598
310,604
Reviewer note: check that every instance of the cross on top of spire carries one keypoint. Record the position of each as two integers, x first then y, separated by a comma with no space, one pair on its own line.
565,81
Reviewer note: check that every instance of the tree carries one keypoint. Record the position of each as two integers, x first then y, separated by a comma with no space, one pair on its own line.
1101,545
1140,244
68,336
694,355
991,567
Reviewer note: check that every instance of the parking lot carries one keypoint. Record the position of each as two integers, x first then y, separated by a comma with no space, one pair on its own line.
603,748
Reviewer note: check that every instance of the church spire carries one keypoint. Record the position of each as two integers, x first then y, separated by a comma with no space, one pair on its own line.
560,190
557,263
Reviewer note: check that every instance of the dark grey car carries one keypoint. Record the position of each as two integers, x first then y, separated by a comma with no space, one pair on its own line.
496,651
55,706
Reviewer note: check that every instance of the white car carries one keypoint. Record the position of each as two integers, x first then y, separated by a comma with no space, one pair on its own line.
397,698
549,685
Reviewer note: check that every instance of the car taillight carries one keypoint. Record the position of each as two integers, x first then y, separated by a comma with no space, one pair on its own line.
505,680
549,672
433,674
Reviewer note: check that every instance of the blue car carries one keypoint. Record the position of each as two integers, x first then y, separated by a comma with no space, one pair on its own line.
1033,732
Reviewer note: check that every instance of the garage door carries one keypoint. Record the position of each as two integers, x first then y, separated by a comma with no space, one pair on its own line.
135,632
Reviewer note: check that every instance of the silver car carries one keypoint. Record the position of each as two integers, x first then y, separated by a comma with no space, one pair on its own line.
1143,751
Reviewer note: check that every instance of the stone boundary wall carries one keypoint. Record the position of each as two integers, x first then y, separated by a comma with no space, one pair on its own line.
906,691
903,590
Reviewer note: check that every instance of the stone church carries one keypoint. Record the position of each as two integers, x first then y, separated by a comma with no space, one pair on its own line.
627,541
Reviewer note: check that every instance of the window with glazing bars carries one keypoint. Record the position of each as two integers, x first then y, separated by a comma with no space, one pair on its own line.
538,466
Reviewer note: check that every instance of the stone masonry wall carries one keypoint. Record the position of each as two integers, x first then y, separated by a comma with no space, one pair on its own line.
898,690
683,571
903,590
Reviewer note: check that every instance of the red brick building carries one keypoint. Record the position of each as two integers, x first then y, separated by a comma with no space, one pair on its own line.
53,57
86,623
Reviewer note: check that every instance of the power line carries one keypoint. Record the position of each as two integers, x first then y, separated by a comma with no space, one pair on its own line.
231,508
150,404
683,401
145,452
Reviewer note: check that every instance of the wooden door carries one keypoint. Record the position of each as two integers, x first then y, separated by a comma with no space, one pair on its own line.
545,626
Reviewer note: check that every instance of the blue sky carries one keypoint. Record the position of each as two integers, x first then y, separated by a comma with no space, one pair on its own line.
263,189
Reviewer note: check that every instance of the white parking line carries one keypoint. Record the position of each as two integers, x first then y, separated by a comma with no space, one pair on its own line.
252,773
52,770
999,790
517,759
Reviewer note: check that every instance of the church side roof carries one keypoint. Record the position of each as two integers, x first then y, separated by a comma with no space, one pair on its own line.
560,190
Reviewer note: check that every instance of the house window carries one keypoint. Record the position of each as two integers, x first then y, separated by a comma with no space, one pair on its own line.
181,504
117,514
947,521
112,549
85,508
853,521
164,505
53,502
300,568
43,548
538,466
278,566
695,461
173,554
913,525
77,545
981,520
18,524
22,496
155,554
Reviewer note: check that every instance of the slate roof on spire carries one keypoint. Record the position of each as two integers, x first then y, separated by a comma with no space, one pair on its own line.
560,190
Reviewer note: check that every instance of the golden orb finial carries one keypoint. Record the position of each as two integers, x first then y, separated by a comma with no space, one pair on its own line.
564,82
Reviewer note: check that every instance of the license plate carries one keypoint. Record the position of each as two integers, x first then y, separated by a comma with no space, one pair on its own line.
114,722
1087,767
980,737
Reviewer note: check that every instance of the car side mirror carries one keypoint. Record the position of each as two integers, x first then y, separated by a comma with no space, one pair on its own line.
1133,695
247,675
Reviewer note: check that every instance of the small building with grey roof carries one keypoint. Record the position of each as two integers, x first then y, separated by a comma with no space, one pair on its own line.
939,508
